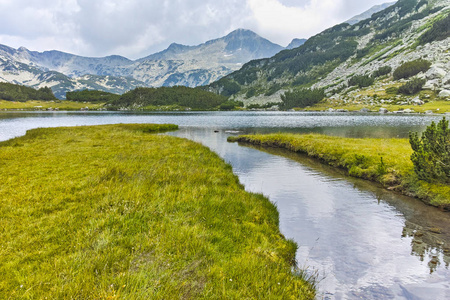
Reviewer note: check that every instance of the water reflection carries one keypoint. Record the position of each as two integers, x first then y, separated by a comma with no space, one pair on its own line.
350,231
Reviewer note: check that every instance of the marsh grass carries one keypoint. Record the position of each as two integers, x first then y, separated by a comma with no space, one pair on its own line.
385,161
113,212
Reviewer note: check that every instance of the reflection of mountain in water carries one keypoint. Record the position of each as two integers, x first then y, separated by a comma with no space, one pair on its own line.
427,245
428,227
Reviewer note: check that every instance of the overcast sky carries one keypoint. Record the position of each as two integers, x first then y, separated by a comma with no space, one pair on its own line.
137,28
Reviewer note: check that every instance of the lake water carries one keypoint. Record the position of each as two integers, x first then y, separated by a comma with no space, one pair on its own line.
361,241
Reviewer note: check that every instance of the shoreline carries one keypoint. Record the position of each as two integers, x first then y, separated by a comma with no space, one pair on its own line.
367,158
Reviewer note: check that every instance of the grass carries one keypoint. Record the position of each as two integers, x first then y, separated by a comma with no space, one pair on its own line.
44,105
113,212
385,161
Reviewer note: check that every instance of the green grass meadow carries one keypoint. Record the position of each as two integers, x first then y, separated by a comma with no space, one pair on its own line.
118,212
386,161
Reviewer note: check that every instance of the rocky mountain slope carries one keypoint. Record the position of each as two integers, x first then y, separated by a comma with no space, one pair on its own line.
177,65
368,13
405,31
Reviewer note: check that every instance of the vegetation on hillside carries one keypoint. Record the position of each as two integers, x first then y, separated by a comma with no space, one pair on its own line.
439,31
412,87
386,161
113,212
92,96
431,156
15,92
301,98
181,96
411,68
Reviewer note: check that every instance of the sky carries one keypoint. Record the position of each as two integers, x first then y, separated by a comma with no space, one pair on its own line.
137,28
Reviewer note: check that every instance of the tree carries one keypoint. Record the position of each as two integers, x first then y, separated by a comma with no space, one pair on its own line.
431,156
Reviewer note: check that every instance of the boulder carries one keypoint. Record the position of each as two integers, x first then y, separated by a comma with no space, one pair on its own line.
417,101
383,110
444,94
435,73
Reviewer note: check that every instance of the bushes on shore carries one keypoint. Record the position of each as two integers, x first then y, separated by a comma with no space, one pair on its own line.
431,156
302,98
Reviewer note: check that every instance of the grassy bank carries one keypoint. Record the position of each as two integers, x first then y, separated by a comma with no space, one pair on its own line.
386,161
438,107
46,105
113,212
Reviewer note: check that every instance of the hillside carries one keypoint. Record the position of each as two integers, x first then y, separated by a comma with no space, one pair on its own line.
406,31
14,92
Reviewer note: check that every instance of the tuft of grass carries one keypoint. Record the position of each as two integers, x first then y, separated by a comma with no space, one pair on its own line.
113,212
385,161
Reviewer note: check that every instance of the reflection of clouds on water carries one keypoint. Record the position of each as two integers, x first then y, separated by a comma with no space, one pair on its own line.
353,236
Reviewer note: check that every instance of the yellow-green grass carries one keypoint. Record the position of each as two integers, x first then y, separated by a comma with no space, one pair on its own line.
44,105
115,212
386,161
437,106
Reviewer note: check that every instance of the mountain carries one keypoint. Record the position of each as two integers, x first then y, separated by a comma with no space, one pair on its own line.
404,32
296,43
177,65
367,14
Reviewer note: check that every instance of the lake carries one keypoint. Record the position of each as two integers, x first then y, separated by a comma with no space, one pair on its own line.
358,239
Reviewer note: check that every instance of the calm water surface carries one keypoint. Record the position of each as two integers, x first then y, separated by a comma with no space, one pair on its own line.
362,241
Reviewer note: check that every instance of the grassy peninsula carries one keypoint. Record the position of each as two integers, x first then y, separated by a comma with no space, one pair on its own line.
116,212
385,161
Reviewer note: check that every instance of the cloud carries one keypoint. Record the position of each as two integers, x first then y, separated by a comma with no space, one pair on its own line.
136,28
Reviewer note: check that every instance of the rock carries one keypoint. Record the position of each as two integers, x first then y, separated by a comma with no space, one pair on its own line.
431,84
408,111
341,110
429,112
364,110
417,101
383,110
444,94
435,73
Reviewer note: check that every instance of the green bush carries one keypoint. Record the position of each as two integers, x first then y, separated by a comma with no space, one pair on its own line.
91,96
411,68
439,31
302,98
431,156
382,71
392,90
230,105
412,87
361,81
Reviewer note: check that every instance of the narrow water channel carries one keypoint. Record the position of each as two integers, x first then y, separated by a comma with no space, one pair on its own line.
361,241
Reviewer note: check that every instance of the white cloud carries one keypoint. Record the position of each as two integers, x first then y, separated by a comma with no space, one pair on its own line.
136,28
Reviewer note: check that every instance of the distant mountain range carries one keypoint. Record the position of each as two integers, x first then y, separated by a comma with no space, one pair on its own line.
368,13
177,65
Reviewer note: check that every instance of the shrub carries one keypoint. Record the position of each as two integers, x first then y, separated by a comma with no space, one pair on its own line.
302,98
411,68
439,31
392,90
230,105
361,81
412,87
382,71
431,156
